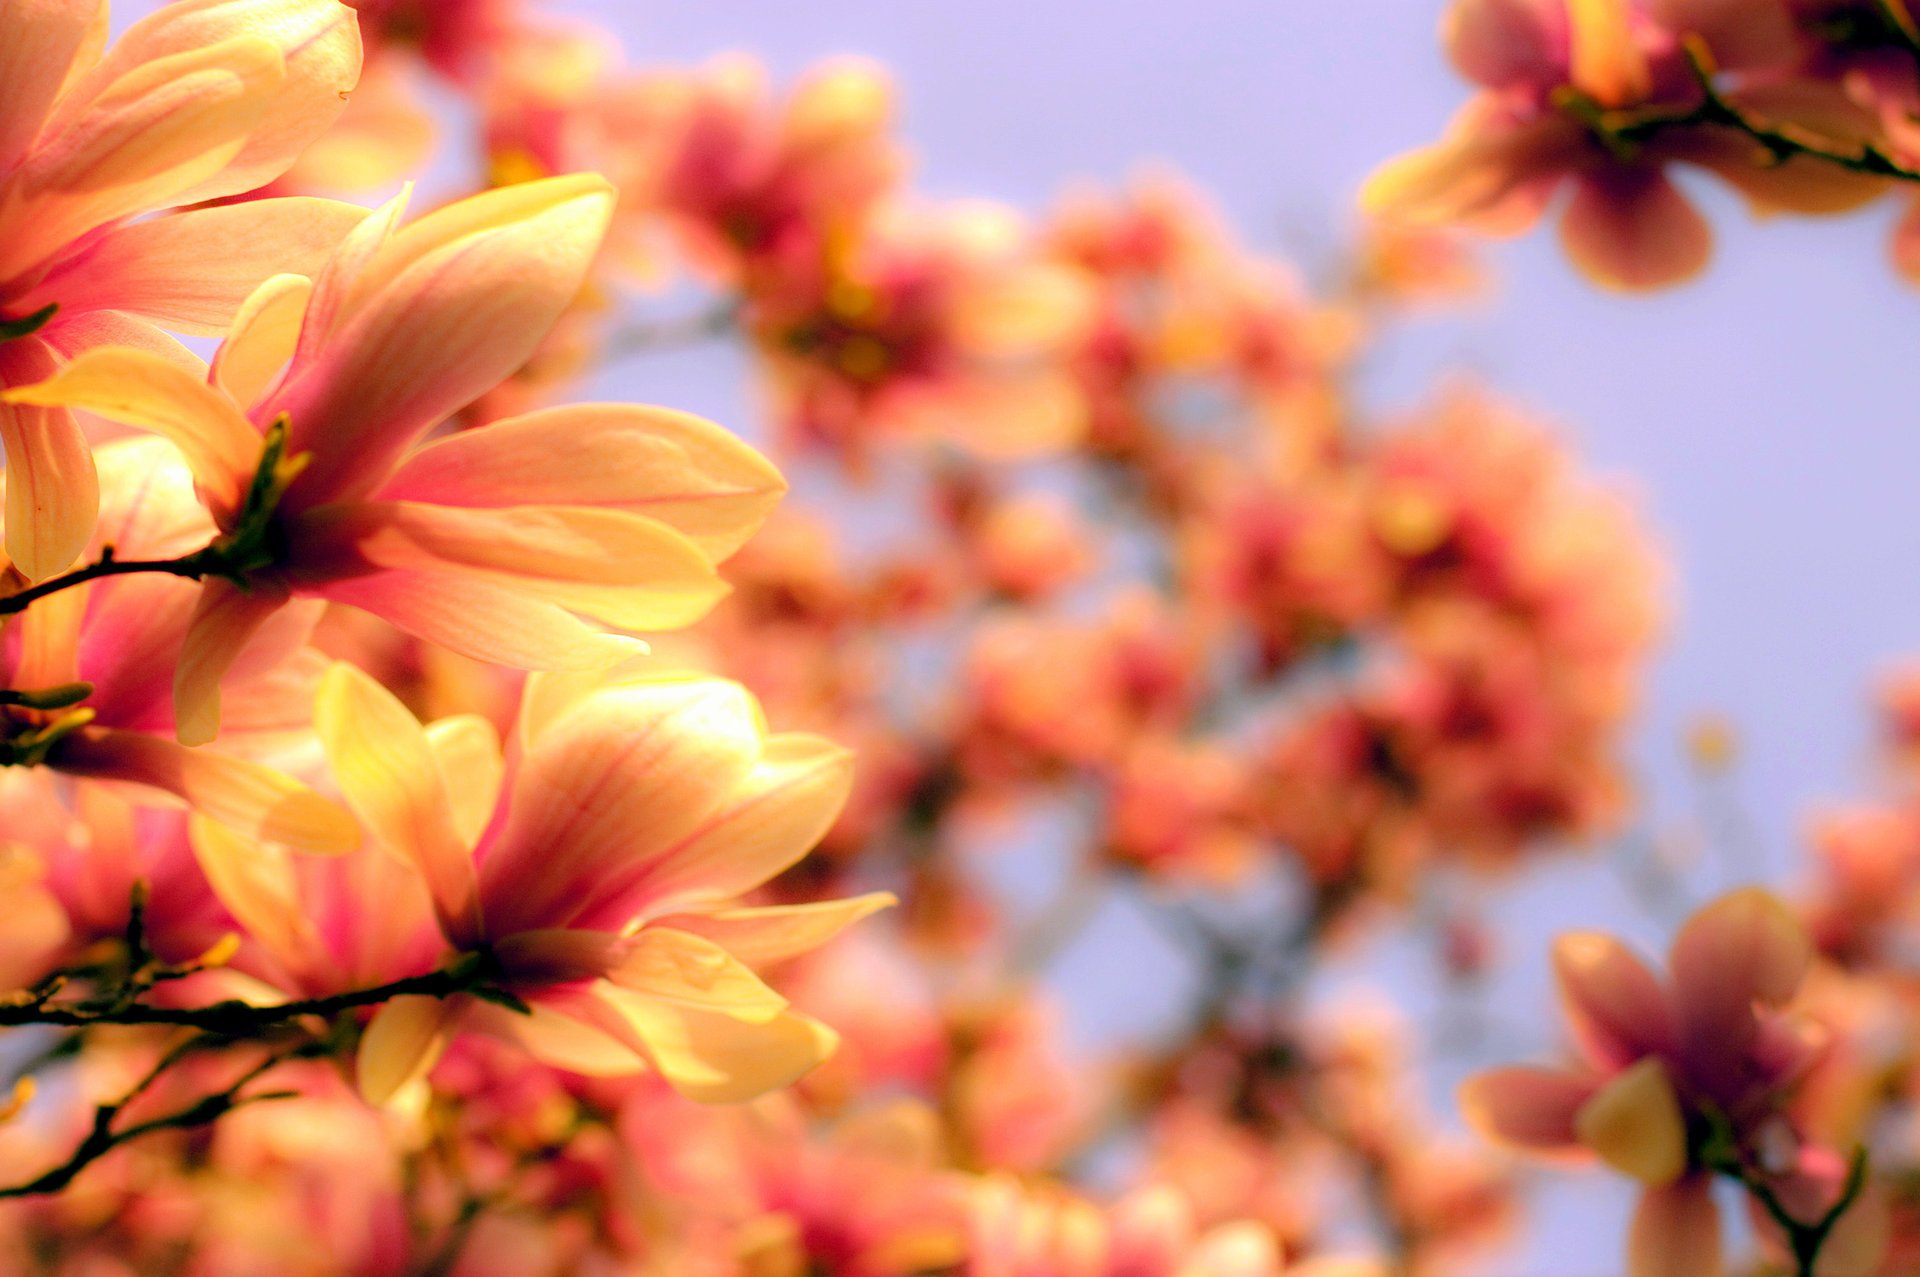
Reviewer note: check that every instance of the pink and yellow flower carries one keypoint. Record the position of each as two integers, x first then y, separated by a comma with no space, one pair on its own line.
113,643
597,872
494,542
1678,1080
203,99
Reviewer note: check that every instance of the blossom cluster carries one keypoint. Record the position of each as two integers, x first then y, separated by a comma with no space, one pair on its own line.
449,828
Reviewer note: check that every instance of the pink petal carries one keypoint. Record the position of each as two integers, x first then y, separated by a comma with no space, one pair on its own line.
1631,230
1676,1232
1527,1107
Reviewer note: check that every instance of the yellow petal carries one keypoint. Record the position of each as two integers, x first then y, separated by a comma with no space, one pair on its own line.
1634,1123
401,1045
391,779
686,969
264,334
468,750
1607,63
762,935
140,389
256,884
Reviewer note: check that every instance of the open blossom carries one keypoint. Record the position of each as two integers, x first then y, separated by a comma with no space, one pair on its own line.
200,100
114,643
598,874
1550,70
493,542
1677,1077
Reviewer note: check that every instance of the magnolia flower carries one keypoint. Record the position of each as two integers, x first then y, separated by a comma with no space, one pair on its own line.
1550,70
306,443
1677,1077
597,874
88,669
203,99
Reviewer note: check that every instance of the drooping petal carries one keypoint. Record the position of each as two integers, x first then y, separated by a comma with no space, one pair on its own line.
436,335
681,469
401,1045
388,772
191,271
762,935
242,795
1676,1232
225,619
713,1058
1634,1123
1631,230
263,337
53,490
1615,1006
139,389
1527,1107
689,970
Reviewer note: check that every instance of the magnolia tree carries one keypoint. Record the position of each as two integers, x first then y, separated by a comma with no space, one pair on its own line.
379,901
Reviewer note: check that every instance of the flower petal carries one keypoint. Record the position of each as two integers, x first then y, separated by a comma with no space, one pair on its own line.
487,620
136,388
681,469
760,936
1676,1232
436,334
263,337
242,795
191,271
225,620
387,770
401,1045
1615,1006
146,140
1631,230
467,747
768,822
319,44
620,569
40,42
1526,1107
53,489
1634,1123
611,784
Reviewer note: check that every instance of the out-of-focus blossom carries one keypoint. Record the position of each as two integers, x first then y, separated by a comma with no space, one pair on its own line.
1562,86
1679,1080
